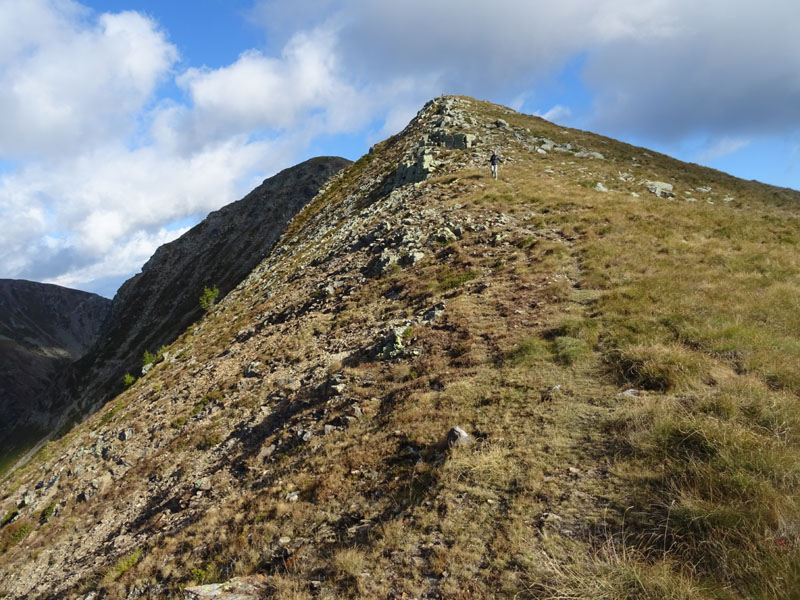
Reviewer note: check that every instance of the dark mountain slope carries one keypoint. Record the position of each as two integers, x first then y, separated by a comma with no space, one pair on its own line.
152,308
43,328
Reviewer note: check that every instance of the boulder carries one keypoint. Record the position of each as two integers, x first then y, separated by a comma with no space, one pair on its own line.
445,235
240,588
411,257
383,263
253,369
660,189
392,345
434,312
458,437
457,141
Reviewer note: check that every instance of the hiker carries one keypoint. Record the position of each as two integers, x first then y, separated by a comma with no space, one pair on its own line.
495,159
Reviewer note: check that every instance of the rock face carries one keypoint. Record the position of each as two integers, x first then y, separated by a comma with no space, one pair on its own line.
43,328
152,308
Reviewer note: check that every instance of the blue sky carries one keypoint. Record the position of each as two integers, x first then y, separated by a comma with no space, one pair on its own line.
124,122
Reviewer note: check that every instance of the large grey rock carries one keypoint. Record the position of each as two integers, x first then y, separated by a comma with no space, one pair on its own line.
660,189
241,588
458,437
383,263
458,141
393,344
415,170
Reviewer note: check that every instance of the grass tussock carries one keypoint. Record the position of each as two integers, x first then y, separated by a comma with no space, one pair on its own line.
659,367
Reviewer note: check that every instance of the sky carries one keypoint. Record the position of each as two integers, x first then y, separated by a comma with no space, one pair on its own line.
123,123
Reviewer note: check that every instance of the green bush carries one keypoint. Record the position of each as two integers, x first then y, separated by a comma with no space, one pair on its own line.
128,380
209,297
14,533
148,358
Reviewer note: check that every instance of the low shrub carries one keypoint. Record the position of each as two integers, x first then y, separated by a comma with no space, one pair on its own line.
209,297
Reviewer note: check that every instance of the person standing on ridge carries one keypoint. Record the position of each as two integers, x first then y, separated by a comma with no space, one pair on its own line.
495,160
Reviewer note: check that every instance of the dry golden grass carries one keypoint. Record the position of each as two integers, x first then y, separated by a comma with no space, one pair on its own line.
685,488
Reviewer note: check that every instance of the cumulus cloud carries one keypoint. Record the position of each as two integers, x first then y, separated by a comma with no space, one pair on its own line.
662,69
126,257
723,147
719,68
67,83
97,200
263,92
67,219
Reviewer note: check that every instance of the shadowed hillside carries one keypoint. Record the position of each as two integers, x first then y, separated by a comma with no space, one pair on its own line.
43,328
577,381
152,308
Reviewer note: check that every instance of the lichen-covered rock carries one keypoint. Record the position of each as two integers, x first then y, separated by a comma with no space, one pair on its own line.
660,189
241,588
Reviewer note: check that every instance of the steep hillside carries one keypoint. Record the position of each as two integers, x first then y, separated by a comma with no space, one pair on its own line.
152,308
43,328
577,381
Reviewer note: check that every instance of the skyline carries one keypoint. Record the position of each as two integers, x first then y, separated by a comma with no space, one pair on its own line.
125,122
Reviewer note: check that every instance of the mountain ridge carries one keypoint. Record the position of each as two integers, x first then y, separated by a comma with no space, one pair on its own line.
601,323
154,306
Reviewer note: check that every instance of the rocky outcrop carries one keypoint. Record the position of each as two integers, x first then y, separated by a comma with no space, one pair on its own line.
43,328
152,308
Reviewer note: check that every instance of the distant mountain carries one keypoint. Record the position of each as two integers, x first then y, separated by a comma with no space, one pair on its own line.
43,328
152,308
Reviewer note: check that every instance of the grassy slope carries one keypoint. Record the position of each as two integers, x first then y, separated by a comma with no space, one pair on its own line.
687,489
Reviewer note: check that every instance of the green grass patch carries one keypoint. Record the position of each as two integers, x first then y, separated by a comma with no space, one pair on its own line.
568,350
659,367
449,279
122,566
10,515
13,534
47,513
111,412
528,351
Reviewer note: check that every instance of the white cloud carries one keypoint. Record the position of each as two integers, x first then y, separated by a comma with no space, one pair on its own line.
67,83
261,92
556,113
723,147
126,257
721,68
115,200
662,69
